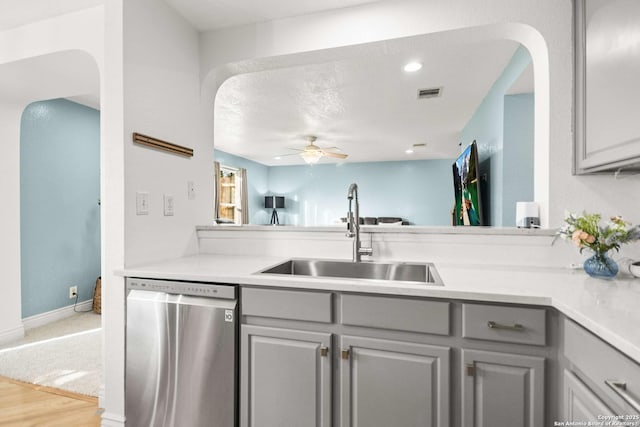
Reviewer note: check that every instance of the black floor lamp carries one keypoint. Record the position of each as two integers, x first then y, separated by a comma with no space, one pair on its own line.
273,202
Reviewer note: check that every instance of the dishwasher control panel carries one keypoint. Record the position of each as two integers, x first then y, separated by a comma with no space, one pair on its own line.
209,290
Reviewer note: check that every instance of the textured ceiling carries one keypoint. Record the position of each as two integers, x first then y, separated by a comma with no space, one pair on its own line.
367,105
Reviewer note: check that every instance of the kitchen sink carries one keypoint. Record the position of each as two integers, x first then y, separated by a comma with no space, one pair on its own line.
424,273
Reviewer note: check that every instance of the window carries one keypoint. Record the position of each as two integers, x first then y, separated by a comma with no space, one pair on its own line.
229,205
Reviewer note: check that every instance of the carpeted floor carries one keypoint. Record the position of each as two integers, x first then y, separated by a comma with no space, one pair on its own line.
66,354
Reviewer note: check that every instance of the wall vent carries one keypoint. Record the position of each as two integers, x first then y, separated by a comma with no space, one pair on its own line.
433,92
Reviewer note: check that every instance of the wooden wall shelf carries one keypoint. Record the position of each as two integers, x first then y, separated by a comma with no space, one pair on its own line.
162,145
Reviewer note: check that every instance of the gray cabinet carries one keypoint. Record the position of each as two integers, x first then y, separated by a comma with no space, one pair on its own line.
285,378
580,403
610,375
502,389
516,325
392,383
607,129
380,380
398,314
321,358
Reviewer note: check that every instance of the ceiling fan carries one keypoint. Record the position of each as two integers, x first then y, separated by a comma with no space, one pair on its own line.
312,153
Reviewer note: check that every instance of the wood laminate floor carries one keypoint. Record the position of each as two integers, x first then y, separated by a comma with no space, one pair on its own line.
28,405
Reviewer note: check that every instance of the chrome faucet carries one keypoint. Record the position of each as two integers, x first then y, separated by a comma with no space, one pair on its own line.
353,225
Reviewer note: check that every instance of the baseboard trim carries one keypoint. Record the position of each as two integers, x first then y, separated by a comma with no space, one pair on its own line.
13,334
101,396
53,315
112,420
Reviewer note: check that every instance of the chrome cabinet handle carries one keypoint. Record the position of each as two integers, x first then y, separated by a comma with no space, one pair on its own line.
516,327
620,388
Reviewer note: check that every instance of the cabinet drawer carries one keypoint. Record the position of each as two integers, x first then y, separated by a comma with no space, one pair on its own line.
508,324
285,304
603,365
431,317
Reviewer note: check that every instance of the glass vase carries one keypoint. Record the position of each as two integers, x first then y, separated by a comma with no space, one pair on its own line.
600,265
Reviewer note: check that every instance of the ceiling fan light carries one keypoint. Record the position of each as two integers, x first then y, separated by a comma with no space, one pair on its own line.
311,157
412,66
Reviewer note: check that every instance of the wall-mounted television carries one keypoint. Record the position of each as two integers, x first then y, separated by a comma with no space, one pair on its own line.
466,184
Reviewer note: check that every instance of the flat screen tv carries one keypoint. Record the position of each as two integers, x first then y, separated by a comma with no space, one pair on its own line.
466,184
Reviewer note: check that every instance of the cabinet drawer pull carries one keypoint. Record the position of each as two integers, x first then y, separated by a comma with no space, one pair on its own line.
324,351
516,327
344,354
620,388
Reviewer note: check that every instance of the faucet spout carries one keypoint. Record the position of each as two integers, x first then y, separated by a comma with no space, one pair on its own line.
353,224
353,189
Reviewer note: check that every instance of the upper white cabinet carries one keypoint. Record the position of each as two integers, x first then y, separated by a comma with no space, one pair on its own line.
607,124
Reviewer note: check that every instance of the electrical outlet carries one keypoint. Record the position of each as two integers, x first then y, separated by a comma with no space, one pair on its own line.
73,291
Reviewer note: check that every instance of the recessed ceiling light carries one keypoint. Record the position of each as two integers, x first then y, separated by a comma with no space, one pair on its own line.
277,157
413,66
409,151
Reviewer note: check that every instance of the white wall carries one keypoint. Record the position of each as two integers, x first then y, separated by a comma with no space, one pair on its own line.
10,303
522,248
81,32
152,86
112,226
556,189
162,99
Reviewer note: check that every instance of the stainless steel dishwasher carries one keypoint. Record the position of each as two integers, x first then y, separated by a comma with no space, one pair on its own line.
181,347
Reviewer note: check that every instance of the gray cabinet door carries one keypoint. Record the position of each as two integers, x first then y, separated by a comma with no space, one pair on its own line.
391,383
501,389
580,403
285,378
607,130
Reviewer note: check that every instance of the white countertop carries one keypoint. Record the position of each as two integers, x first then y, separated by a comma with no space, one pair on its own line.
608,308
387,228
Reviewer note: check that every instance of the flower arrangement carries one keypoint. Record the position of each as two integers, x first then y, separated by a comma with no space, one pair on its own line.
586,231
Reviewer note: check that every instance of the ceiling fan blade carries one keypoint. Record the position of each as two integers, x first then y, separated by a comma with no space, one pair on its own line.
290,154
336,155
294,149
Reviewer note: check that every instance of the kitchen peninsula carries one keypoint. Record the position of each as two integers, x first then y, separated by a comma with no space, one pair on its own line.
545,330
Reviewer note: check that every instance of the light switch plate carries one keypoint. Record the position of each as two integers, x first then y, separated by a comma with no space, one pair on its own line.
168,205
142,203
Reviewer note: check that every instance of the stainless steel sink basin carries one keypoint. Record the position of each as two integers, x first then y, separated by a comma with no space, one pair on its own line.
393,271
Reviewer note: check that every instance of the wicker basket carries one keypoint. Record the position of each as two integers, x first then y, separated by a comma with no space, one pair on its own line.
97,296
